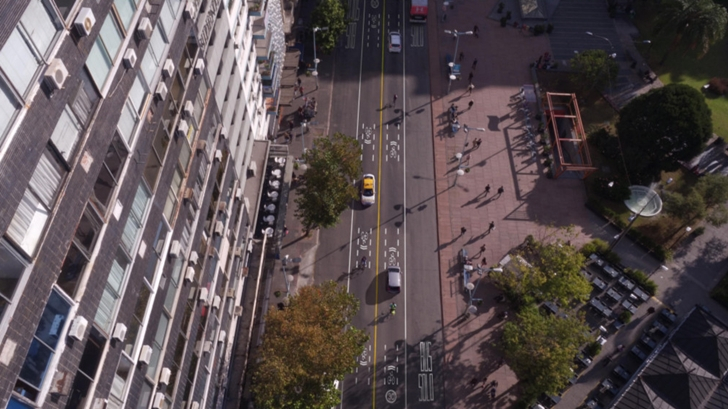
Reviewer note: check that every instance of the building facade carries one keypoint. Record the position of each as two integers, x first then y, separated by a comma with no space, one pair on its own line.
130,133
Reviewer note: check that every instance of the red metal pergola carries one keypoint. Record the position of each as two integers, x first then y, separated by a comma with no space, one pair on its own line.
571,140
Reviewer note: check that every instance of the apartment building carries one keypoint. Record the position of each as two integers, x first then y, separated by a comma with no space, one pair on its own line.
131,134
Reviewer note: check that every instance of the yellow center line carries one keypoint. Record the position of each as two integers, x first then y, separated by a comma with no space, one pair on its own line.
379,208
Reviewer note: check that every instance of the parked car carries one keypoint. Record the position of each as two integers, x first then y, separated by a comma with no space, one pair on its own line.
649,342
394,279
636,351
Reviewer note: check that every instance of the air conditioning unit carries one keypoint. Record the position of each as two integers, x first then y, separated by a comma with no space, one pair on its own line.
204,292
201,145
145,29
182,128
221,336
194,257
238,311
230,293
190,10
199,66
188,109
56,74
130,58
165,375
119,333
222,207
195,405
168,68
218,155
239,252
207,347
84,21
216,302
223,133
161,91
238,193
219,227
190,274
78,328
175,249
158,401
145,355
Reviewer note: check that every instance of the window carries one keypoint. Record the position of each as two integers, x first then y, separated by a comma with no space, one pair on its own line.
134,222
157,247
157,343
144,396
119,383
155,159
125,10
66,133
72,269
188,56
153,56
173,284
12,267
102,53
8,106
86,98
31,216
185,155
171,204
135,324
87,230
65,6
86,369
112,291
43,346
132,109
109,174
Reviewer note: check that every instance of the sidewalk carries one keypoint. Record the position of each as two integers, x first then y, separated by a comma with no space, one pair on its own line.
529,204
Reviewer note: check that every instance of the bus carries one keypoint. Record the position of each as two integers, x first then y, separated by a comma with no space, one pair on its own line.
418,11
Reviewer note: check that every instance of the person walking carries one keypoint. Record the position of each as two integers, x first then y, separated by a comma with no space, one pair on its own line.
471,87
298,82
300,89
500,190
475,64
485,261
463,230
476,30
470,105
482,249
491,226
470,77
461,57
290,126
394,99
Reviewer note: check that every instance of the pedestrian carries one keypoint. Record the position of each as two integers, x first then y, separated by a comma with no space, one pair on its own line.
475,63
492,393
444,18
479,142
300,89
470,104
485,382
461,57
290,126
482,248
470,88
463,230
487,189
470,77
394,99
476,29
500,190
467,158
474,382
491,226
298,82
485,262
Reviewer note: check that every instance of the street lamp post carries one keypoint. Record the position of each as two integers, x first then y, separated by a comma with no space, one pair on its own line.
611,55
316,60
472,288
589,33
303,140
457,35
459,155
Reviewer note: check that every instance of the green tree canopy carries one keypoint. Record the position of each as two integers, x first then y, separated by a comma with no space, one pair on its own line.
334,164
306,347
554,274
661,128
694,24
594,69
540,349
684,207
331,14
714,189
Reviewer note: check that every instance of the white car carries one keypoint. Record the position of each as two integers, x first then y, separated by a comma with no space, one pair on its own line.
395,42
367,190
394,279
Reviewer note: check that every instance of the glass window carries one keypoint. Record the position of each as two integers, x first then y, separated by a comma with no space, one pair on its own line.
184,156
8,106
134,222
156,156
135,323
71,270
125,10
18,61
102,54
144,396
121,376
128,121
40,25
66,133
157,345
42,348
12,267
16,404
172,194
86,98
65,6
112,290
153,56
86,373
110,171
30,218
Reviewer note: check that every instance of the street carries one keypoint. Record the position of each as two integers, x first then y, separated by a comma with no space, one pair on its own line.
401,364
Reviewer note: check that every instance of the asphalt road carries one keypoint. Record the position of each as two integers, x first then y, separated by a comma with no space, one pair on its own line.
402,363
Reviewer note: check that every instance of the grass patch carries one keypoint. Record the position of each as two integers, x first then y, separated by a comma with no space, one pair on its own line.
685,67
720,292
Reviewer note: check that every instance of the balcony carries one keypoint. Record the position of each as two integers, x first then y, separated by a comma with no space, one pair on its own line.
262,49
258,27
256,7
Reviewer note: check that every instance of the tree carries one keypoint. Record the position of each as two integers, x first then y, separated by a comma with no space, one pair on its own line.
306,347
541,349
594,69
661,128
331,14
554,274
685,208
328,184
695,23
714,189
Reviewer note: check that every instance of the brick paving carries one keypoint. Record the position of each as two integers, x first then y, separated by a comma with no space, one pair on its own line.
529,204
